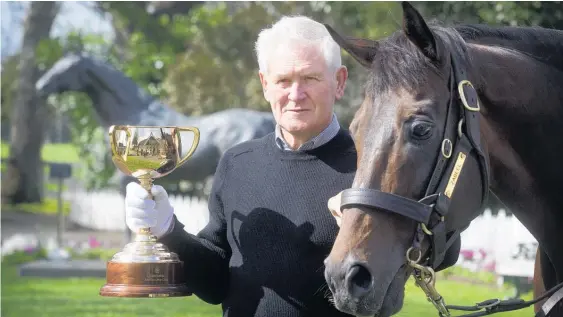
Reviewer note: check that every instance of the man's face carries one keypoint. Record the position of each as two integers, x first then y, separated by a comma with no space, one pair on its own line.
302,89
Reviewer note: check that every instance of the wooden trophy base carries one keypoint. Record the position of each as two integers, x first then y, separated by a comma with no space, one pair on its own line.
145,280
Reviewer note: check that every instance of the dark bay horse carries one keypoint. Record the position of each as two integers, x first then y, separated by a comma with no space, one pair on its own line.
450,116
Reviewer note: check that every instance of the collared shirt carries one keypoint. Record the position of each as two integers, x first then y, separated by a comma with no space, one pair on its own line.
322,138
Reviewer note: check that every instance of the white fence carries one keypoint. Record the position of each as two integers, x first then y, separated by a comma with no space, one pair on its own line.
105,210
498,243
495,243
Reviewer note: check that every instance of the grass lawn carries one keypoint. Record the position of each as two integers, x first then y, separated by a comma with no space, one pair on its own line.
49,206
23,297
51,152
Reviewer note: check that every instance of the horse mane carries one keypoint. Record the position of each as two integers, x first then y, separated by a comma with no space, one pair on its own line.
399,63
542,44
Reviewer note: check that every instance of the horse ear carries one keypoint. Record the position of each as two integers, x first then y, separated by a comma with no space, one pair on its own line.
362,50
418,31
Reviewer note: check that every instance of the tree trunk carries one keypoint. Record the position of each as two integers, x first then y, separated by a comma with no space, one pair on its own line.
23,181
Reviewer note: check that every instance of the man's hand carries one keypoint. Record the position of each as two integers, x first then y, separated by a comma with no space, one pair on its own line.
143,212
334,207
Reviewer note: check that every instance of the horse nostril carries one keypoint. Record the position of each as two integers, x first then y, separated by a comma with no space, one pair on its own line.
358,280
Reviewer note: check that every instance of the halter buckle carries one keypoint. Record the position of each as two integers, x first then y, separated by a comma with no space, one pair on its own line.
460,128
460,87
447,148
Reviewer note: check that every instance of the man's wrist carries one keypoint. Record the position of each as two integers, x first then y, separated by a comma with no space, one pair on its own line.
169,230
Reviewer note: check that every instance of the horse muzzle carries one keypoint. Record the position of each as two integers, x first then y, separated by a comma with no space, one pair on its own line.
354,290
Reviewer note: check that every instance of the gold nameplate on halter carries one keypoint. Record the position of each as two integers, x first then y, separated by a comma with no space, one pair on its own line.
455,175
471,93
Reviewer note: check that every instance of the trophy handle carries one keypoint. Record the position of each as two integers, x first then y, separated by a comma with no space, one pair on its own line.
195,143
113,140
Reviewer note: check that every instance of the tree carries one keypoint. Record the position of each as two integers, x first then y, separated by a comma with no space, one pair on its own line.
526,13
198,57
23,181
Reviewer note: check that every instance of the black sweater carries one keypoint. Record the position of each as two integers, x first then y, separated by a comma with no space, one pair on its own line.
269,229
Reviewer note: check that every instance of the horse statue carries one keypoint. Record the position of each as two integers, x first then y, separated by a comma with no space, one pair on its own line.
119,100
450,116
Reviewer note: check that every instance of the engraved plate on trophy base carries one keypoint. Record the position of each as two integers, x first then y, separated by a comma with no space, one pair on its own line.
145,280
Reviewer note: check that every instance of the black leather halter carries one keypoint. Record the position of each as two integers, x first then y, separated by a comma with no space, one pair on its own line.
461,138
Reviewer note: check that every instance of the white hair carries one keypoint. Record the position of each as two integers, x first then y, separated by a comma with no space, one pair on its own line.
302,31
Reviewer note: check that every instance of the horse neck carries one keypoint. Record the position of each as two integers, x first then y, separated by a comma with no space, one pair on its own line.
116,98
523,130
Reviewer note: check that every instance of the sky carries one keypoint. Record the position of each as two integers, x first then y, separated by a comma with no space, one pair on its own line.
73,15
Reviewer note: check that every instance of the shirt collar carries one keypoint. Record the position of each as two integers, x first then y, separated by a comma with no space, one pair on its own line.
322,138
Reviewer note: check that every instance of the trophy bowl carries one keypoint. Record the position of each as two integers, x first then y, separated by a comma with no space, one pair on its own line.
146,268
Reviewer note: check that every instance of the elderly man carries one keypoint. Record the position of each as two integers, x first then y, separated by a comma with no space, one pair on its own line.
262,252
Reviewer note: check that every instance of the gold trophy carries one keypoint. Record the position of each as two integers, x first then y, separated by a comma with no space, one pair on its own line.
146,268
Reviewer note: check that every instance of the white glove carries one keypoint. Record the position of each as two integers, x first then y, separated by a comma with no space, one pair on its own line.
143,212
334,207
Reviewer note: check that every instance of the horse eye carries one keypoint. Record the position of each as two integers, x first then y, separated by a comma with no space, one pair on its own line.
421,130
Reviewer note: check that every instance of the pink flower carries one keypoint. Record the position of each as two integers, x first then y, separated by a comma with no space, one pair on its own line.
93,243
467,254
30,249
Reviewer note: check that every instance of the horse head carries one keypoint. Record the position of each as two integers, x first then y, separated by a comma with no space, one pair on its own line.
422,172
116,98
67,74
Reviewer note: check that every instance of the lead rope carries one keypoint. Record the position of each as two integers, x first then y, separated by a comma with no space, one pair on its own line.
425,278
493,306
